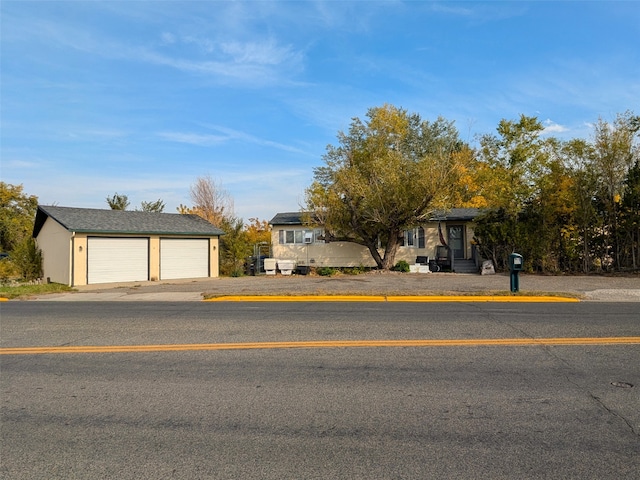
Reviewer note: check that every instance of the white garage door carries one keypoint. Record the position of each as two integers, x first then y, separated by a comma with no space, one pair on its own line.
184,258
117,259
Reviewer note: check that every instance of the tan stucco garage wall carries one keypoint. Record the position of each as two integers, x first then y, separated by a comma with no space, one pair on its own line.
79,248
214,258
54,241
154,258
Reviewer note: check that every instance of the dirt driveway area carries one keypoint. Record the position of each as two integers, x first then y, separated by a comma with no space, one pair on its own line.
595,287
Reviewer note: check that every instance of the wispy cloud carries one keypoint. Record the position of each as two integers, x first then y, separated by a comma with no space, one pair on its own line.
228,135
232,63
480,12
255,60
97,134
246,137
18,164
258,51
167,38
267,53
551,127
451,9
193,138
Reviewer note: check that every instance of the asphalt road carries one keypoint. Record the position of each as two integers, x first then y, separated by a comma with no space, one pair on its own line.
504,411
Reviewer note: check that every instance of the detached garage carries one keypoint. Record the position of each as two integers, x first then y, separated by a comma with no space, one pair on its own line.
83,246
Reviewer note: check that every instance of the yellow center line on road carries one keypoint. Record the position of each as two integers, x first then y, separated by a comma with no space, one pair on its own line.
477,342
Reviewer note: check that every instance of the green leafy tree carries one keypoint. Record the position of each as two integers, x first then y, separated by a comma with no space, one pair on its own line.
17,213
235,247
514,168
498,234
551,220
157,206
630,216
516,158
386,175
615,151
121,202
566,206
118,202
577,154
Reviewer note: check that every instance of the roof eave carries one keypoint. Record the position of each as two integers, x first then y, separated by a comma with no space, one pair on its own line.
129,232
41,218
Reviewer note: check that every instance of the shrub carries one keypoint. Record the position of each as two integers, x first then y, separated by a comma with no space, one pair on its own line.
354,270
401,266
8,270
325,271
27,258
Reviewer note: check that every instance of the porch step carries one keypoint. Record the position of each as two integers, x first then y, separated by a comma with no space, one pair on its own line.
465,266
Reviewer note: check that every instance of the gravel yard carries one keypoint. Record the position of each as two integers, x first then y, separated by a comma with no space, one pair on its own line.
599,287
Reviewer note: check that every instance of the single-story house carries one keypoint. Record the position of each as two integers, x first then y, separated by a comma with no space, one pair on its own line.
291,239
82,246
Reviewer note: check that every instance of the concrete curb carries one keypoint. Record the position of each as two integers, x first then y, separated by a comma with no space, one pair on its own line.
392,298
119,296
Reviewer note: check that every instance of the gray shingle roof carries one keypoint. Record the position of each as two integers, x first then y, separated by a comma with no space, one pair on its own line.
455,214
287,218
90,220
458,214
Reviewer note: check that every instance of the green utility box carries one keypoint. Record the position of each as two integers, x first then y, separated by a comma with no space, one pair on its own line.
516,265
515,262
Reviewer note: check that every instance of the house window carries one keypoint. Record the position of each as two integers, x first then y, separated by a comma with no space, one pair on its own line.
409,237
413,238
299,237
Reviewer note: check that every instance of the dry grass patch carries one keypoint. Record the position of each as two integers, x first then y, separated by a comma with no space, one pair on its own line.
26,291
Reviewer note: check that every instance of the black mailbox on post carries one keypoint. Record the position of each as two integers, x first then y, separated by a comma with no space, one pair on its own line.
515,265
515,262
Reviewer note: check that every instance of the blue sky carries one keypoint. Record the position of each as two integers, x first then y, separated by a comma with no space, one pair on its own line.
143,97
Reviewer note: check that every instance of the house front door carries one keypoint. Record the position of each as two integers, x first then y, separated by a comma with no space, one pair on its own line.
456,240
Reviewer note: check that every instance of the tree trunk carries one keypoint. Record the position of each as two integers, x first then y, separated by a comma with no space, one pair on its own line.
373,249
390,251
388,260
